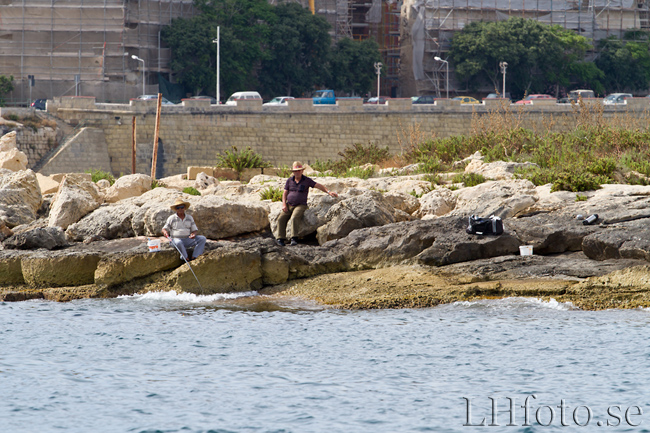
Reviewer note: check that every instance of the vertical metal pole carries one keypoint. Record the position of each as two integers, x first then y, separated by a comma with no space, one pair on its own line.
154,157
133,144
447,84
218,63
218,42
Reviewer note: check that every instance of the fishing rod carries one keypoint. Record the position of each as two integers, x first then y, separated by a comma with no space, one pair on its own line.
188,263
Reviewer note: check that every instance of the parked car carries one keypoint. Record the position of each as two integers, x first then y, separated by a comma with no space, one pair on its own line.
242,95
213,101
498,96
424,99
616,98
164,101
377,100
39,104
575,95
323,97
537,97
466,100
279,100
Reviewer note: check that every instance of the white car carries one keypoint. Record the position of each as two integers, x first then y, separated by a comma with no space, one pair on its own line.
242,95
279,100
616,98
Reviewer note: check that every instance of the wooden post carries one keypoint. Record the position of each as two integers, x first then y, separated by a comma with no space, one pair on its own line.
133,131
154,158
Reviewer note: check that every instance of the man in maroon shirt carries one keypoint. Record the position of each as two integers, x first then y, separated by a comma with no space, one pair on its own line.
294,202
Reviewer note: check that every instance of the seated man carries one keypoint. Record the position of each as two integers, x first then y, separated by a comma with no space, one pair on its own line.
181,230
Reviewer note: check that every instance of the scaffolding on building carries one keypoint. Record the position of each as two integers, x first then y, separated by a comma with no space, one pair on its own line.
594,19
84,47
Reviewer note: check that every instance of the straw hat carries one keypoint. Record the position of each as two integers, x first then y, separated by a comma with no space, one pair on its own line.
297,166
179,201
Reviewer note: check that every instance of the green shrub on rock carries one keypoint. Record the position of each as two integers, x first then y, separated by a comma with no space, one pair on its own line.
191,191
239,160
271,193
98,175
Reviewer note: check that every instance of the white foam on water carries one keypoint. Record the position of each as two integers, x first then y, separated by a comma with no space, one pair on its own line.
553,304
514,301
172,296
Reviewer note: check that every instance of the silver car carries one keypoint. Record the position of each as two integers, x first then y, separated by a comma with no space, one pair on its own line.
279,100
616,98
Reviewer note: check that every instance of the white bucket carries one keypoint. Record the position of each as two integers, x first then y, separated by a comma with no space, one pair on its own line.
526,250
154,245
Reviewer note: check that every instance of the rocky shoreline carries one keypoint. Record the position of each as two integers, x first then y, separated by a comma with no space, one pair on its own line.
390,241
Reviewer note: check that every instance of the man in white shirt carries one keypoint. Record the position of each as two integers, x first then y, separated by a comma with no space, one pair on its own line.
181,229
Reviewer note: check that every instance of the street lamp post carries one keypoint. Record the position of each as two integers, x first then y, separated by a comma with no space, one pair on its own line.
447,73
140,60
378,66
216,41
503,66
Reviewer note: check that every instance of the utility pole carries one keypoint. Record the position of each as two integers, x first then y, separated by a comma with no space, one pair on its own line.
216,41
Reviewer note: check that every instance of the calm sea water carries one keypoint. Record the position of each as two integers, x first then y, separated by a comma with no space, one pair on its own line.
180,363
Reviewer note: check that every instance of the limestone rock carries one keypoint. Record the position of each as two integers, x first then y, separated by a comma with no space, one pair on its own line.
404,202
59,269
11,271
418,187
41,237
5,231
76,198
131,185
106,222
178,182
103,184
383,246
203,181
625,240
232,268
120,268
497,170
217,218
20,197
549,233
438,202
8,141
13,159
47,184
367,210
502,198
275,268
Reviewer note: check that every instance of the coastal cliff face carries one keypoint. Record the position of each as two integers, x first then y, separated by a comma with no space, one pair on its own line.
406,239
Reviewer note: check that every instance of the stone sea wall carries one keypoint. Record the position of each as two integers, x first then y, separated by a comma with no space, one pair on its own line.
195,132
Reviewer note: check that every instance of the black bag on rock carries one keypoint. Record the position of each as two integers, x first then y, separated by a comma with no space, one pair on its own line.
485,226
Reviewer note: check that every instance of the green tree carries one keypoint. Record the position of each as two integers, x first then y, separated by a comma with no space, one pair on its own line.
297,52
352,65
626,64
6,86
243,32
538,55
570,68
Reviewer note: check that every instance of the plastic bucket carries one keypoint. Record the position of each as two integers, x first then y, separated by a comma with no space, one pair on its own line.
526,250
154,245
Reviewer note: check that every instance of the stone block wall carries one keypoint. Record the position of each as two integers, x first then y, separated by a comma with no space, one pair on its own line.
36,144
195,134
